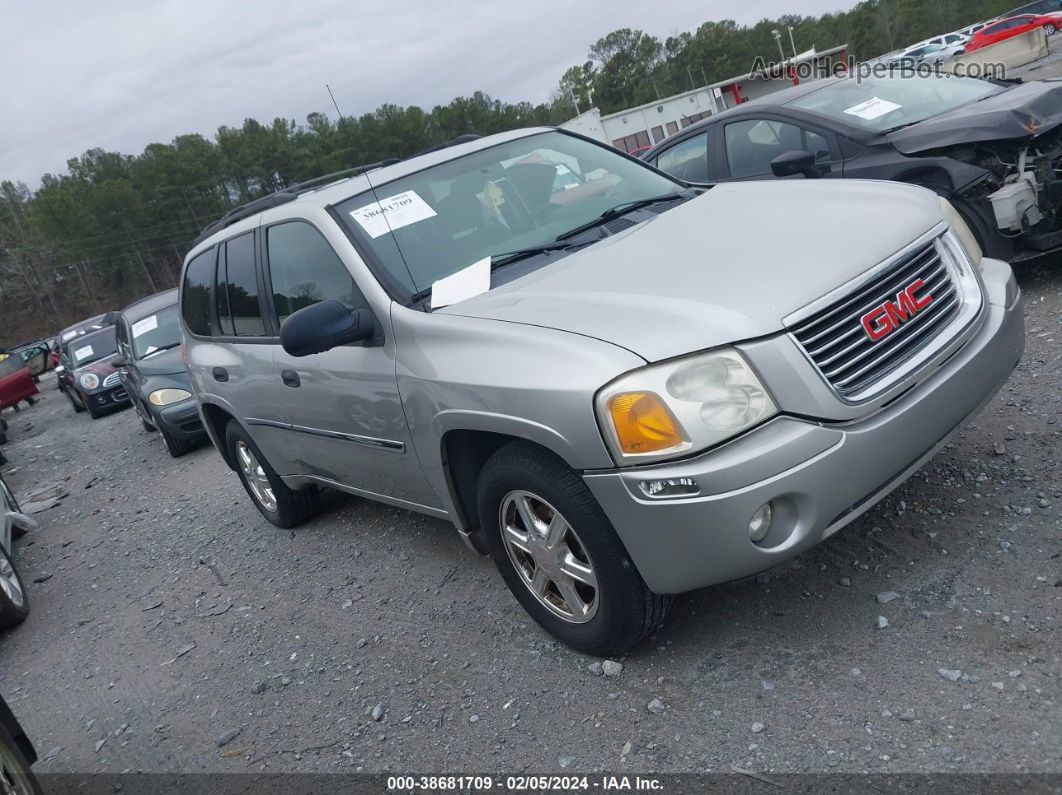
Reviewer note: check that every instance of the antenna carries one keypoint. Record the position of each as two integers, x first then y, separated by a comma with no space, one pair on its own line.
334,100
391,231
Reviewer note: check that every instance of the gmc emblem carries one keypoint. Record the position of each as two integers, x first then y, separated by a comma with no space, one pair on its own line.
887,317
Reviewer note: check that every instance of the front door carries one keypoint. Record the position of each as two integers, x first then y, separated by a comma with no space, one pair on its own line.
346,416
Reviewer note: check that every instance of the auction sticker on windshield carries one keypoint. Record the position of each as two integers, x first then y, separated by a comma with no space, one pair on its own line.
83,353
872,108
392,213
142,327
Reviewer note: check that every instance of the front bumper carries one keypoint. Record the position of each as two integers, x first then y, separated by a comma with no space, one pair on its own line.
180,420
106,398
817,476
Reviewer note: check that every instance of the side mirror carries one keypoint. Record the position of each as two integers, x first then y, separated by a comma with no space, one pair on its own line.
322,326
118,363
797,161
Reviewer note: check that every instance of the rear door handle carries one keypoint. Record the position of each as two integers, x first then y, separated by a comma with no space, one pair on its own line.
220,374
290,378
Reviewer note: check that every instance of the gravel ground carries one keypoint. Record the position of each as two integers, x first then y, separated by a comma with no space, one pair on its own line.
174,630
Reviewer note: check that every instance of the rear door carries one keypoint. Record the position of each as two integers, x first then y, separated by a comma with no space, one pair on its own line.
230,360
348,426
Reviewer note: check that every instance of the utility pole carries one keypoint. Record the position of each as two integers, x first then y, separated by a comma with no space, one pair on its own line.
336,104
778,40
690,73
791,42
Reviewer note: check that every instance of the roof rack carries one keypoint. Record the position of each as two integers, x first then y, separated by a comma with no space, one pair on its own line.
284,196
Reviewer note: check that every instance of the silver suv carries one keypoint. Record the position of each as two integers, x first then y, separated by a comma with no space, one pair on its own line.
620,386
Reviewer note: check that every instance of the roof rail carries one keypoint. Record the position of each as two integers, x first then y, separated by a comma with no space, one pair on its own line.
284,196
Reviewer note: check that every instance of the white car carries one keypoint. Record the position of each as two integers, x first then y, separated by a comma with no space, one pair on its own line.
937,49
14,607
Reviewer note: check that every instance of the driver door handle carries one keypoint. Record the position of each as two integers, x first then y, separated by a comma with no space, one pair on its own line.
290,378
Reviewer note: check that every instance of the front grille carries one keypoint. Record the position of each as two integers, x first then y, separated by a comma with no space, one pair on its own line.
834,337
111,380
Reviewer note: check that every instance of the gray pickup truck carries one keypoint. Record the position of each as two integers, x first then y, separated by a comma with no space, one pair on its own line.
620,385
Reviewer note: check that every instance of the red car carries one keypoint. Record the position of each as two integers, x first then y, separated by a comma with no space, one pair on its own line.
1013,26
16,383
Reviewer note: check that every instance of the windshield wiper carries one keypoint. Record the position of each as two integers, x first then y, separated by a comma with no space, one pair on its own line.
617,211
497,260
160,349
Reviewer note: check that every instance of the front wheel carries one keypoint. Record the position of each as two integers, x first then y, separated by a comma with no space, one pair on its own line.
176,447
14,607
560,557
1050,30
77,404
281,505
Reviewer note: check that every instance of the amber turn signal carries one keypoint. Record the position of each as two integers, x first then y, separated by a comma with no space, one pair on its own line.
643,423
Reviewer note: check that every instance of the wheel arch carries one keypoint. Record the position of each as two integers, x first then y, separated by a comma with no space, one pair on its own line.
464,452
215,420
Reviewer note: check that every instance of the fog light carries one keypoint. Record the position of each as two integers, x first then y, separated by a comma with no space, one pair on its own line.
669,487
760,523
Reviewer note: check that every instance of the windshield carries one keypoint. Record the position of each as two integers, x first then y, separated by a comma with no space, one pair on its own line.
511,196
154,333
92,347
877,104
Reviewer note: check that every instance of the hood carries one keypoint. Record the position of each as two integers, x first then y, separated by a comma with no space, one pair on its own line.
1025,111
166,362
724,267
101,367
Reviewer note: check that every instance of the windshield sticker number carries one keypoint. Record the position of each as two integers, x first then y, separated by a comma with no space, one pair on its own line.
392,213
142,327
83,353
872,108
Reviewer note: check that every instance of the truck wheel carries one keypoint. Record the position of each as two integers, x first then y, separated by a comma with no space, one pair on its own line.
282,506
177,447
77,404
14,607
560,557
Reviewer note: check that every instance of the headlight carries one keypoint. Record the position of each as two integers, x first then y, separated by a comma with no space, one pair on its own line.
685,405
164,397
90,380
962,233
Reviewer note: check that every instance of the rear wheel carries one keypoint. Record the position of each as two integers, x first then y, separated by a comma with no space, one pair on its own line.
281,505
14,607
559,555
1050,30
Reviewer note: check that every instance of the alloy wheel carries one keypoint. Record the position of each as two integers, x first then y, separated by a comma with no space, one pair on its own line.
13,779
255,477
549,557
9,583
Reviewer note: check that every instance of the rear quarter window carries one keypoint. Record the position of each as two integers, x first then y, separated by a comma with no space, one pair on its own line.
196,294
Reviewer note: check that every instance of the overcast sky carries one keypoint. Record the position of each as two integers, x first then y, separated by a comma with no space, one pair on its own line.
120,74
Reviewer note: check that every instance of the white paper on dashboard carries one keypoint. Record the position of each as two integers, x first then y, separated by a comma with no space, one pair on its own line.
392,213
142,327
467,282
872,108
82,353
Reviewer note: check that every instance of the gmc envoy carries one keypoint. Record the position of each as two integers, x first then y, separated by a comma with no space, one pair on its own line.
620,385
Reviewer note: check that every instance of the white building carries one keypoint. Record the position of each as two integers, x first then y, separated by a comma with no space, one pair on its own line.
648,124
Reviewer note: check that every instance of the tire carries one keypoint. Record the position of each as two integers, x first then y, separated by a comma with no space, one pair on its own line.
93,412
31,401
1050,30
142,413
14,768
620,611
14,605
75,402
288,507
177,447
3,435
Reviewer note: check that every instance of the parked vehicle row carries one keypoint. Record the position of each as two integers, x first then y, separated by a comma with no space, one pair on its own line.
615,385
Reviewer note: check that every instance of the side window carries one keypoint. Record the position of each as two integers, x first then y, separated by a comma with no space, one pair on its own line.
196,294
303,269
687,160
752,145
221,297
241,278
